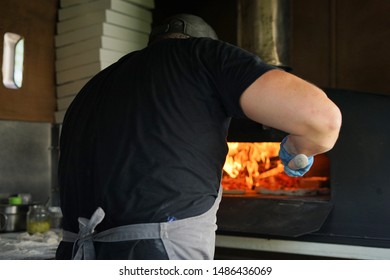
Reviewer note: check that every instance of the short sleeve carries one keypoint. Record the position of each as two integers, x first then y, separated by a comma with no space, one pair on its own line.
234,70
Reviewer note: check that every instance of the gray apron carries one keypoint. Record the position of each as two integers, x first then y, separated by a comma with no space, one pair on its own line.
187,239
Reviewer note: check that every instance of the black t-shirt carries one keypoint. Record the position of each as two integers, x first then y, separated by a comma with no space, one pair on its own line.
145,139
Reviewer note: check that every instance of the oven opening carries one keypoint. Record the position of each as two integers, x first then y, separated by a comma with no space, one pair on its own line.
253,169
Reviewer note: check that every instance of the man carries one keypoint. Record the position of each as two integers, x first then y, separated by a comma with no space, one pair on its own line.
144,142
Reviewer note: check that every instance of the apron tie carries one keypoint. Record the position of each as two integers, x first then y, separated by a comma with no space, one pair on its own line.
83,248
180,240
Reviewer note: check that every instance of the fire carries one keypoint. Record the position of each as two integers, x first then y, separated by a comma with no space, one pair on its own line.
257,167
248,165
251,160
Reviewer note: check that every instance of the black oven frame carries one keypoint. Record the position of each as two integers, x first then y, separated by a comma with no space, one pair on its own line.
358,212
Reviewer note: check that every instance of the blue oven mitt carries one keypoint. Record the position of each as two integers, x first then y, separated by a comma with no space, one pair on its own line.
285,157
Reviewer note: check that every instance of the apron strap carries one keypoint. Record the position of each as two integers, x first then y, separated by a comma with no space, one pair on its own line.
176,236
83,247
83,242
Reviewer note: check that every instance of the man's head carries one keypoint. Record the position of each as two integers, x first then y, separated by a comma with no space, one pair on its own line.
182,26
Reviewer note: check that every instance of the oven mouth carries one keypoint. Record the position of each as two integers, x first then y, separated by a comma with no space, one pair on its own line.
276,205
255,169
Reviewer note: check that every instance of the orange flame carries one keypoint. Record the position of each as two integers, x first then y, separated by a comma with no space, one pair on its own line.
257,167
253,160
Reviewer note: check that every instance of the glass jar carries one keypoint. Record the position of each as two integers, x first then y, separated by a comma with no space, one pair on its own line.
38,219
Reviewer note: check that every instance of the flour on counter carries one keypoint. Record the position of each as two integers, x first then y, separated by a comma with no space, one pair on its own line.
23,246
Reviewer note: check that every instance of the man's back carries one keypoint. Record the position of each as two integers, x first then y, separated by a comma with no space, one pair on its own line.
151,133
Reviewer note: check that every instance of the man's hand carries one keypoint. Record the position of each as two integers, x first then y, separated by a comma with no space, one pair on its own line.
294,165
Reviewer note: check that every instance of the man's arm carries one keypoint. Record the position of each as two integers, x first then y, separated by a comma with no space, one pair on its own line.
285,102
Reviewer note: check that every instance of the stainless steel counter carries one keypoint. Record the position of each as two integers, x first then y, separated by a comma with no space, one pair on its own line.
22,246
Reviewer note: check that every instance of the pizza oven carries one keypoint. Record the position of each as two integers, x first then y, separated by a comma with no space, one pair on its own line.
344,199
